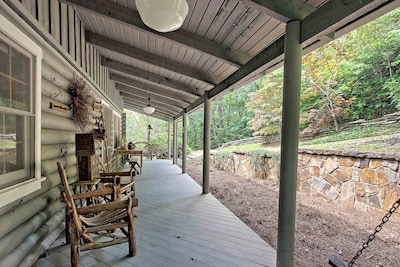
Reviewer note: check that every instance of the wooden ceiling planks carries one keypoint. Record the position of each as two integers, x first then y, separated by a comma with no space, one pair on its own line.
218,38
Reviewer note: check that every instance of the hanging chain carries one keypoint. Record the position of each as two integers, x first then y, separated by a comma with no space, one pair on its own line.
377,230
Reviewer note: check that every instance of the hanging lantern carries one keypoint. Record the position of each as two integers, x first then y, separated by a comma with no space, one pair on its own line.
163,15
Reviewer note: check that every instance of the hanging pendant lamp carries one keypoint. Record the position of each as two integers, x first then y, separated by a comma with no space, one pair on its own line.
163,15
148,109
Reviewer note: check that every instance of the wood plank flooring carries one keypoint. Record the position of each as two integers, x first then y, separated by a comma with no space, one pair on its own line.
177,225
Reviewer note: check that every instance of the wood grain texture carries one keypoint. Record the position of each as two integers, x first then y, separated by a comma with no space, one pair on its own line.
177,225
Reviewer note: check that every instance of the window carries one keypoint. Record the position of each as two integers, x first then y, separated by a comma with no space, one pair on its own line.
16,114
20,107
117,130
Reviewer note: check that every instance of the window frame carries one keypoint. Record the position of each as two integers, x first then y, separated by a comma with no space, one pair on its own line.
25,173
116,129
19,190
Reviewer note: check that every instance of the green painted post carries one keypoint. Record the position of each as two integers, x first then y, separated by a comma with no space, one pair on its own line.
289,145
206,144
169,140
175,142
184,142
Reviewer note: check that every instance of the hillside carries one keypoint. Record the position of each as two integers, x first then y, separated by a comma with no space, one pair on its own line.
323,229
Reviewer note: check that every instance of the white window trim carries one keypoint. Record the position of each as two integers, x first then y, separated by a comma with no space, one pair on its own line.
15,192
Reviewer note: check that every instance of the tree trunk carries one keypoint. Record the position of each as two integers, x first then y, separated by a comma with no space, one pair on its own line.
221,116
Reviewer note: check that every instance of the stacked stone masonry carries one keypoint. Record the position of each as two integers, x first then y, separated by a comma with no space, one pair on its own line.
362,180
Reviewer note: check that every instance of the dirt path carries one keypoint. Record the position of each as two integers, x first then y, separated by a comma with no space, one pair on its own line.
323,229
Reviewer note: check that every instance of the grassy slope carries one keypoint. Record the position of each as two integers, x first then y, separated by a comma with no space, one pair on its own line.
383,138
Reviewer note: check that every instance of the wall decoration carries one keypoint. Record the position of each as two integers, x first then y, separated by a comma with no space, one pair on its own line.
82,103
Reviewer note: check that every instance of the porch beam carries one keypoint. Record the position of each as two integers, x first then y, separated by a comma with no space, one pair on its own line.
149,77
137,92
151,89
283,10
133,52
142,100
312,28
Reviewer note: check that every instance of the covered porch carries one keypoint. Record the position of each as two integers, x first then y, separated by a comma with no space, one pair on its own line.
176,225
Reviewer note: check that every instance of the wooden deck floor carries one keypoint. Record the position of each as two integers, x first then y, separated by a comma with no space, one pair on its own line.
177,226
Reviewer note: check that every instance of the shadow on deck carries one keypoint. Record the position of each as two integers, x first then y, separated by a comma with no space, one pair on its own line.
177,226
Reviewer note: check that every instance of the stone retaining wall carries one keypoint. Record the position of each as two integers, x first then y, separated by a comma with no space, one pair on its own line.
241,163
362,180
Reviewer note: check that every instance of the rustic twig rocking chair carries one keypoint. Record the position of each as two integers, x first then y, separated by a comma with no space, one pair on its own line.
100,219
106,176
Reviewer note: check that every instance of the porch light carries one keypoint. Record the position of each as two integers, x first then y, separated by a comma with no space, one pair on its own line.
148,109
163,16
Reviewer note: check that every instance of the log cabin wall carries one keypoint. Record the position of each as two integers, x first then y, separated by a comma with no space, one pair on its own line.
30,224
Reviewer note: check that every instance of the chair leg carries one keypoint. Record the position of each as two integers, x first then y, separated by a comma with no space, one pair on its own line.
133,165
74,244
131,232
68,226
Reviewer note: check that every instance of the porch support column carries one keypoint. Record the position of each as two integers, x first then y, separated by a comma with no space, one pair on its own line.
184,142
206,144
289,145
175,143
169,141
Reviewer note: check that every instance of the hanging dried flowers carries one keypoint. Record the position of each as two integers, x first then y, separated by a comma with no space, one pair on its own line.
82,103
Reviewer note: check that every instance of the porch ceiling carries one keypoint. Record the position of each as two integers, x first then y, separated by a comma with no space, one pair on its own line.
222,45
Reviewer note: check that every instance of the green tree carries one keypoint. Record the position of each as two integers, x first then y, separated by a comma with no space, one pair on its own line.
321,70
230,116
195,129
371,77
229,119
266,103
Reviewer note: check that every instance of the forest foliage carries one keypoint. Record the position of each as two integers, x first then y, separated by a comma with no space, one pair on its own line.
355,77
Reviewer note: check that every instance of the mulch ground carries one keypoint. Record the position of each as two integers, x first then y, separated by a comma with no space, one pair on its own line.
323,229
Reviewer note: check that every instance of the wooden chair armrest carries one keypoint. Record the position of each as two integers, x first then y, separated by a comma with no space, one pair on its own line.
110,179
126,187
126,173
135,201
94,193
115,205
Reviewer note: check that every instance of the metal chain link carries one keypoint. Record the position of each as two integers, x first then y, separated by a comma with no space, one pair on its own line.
377,230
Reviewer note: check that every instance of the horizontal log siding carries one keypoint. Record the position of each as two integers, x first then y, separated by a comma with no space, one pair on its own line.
27,223
34,220
52,225
66,29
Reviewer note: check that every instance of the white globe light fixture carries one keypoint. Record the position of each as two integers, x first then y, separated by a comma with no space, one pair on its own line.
163,15
148,109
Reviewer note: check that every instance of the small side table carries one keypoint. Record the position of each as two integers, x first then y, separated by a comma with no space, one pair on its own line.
134,152
85,186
